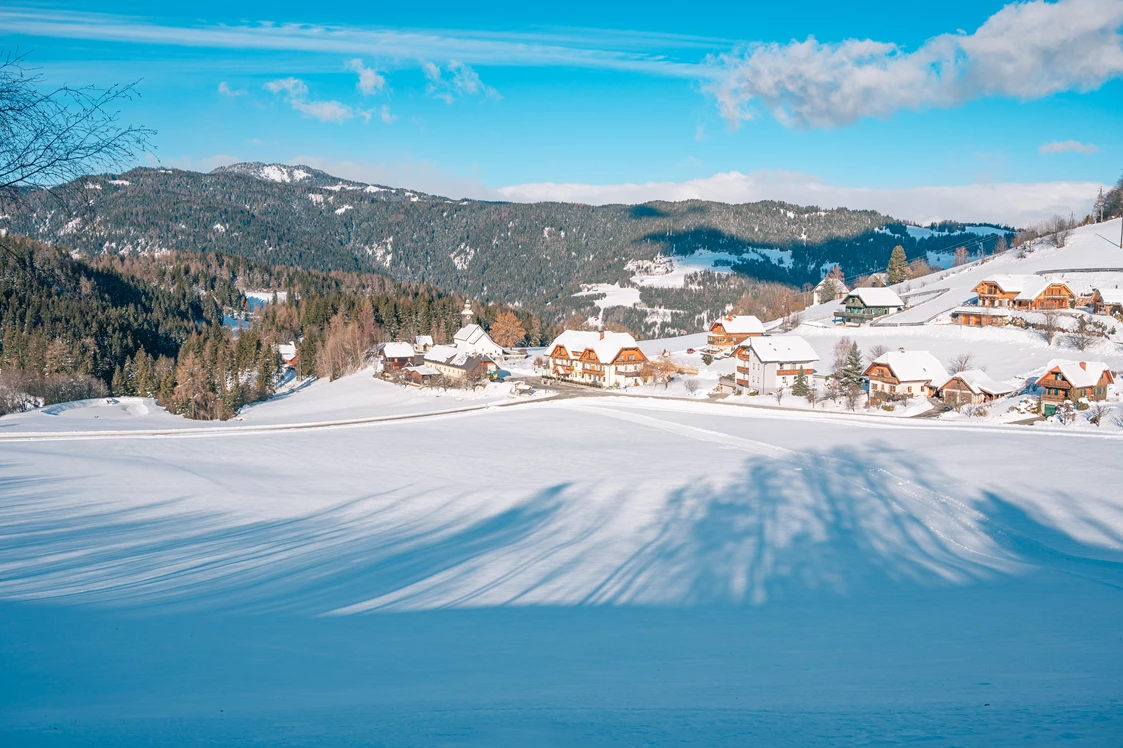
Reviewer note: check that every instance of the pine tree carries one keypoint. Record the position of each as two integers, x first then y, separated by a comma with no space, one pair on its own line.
898,270
120,386
799,388
851,377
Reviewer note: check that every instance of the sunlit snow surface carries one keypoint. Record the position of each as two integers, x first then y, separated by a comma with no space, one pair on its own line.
577,572
590,571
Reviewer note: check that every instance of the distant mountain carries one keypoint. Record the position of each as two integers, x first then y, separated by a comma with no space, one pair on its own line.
536,255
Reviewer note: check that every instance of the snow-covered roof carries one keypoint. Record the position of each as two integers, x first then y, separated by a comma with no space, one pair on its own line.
741,324
979,382
782,349
607,345
1027,287
839,286
472,334
1078,373
452,356
423,340
397,349
1111,295
913,366
877,297
424,370
287,351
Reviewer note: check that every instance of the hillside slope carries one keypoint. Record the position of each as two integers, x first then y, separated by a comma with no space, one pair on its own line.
534,255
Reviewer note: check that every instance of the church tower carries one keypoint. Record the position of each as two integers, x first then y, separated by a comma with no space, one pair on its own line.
467,316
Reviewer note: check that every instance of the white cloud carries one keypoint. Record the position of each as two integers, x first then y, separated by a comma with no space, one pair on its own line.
456,80
1025,50
1017,204
296,95
616,50
370,81
226,90
1066,146
383,113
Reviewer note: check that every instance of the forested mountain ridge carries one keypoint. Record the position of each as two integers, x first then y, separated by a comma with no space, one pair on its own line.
153,325
534,255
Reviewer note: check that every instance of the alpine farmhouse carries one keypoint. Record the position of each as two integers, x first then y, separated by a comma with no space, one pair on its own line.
901,374
730,331
602,359
1074,381
865,304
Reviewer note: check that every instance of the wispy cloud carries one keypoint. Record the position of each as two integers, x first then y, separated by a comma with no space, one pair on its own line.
455,81
226,90
296,95
370,81
383,113
1025,50
624,50
1068,146
1014,204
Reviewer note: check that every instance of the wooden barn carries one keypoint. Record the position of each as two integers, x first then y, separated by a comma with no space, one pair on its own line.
971,387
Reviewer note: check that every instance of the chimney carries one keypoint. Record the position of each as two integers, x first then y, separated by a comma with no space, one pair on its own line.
1084,365
602,338
901,350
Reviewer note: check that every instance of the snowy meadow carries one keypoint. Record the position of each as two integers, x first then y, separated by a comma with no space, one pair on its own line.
598,572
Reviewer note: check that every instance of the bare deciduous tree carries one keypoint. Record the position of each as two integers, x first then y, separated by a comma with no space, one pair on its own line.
960,362
779,395
691,385
1098,412
876,351
50,137
1050,326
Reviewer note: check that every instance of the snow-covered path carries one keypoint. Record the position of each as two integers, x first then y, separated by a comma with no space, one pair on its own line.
587,572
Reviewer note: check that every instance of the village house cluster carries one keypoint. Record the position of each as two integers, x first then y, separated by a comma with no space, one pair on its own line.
471,358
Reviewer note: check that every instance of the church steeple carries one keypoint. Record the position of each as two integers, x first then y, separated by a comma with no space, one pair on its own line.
467,316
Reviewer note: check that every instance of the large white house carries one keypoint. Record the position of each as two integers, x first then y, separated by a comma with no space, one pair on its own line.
604,359
770,363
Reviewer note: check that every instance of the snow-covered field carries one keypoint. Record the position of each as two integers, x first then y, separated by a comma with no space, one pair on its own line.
424,568
612,571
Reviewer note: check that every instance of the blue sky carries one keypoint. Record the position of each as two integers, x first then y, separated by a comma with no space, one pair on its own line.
599,101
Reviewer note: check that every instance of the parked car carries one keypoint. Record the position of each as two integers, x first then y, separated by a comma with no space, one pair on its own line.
690,350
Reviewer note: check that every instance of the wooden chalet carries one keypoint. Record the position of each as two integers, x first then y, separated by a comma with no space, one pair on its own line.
1108,301
971,387
902,374
396,356
1024,292
1073,380
601,359
730,331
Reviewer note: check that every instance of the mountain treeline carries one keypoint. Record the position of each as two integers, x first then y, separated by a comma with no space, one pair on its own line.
153,325
534,256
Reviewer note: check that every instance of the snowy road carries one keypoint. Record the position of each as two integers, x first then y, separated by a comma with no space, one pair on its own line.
591,571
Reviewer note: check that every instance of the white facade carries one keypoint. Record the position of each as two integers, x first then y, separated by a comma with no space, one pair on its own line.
472,339
768,364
